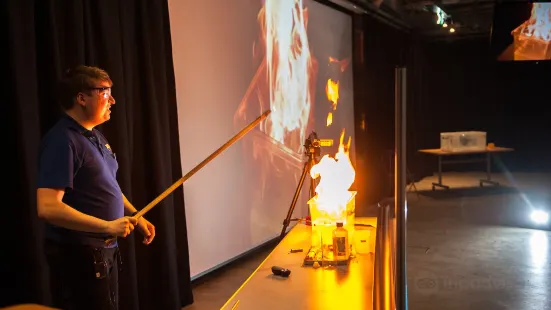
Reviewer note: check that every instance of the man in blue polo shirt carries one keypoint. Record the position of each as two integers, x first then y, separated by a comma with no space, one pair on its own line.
80,199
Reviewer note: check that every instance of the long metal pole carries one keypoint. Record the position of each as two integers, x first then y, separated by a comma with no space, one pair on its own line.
400,188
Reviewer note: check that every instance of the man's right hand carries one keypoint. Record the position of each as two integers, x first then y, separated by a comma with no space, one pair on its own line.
121,227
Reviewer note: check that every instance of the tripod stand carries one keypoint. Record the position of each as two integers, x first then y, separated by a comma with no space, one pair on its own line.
312,147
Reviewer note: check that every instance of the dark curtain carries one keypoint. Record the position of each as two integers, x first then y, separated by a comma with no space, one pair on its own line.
131,40
458,86
380,48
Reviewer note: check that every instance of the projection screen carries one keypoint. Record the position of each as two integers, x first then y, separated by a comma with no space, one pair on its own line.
234,60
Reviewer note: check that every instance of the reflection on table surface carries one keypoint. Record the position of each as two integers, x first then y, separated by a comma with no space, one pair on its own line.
333,287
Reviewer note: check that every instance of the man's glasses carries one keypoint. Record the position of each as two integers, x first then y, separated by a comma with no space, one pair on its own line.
105,92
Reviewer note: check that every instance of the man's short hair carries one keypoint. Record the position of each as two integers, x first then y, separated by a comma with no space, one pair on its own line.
79,79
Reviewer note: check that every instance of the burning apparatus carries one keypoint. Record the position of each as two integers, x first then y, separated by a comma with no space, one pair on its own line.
333,205
533,37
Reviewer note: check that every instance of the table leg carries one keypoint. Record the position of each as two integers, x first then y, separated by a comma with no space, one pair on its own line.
439,184
488,172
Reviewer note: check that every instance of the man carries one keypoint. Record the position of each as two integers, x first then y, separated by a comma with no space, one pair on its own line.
80,199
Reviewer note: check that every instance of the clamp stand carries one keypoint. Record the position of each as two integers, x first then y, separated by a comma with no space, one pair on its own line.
312,146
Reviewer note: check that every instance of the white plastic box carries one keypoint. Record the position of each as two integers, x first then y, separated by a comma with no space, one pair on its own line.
463,141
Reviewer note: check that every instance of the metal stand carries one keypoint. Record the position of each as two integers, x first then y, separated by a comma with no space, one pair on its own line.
312,146
400,172
439,184
487,158
488,179
390,276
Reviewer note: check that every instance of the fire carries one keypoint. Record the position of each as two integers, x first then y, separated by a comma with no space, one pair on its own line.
336,176
342,63
539,24
332,90
289,68
336,67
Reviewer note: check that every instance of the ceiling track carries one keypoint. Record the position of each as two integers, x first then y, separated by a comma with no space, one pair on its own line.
380,13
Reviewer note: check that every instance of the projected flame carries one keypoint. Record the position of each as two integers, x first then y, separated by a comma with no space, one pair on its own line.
284,82
333,84
289,68
533,37
538,26
332,90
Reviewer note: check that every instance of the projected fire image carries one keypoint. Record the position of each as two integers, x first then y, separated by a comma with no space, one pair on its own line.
286,82
283,81
292,58
532,39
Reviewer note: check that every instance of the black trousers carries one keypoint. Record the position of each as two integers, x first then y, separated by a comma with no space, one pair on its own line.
83,277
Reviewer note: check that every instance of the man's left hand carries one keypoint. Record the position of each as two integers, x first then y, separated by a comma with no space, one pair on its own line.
147,229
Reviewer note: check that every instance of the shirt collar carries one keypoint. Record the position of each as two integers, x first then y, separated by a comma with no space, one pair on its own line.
73,124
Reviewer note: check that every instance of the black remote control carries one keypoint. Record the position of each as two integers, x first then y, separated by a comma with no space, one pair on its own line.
282,272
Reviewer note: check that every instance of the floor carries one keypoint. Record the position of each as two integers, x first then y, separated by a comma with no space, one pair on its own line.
468,248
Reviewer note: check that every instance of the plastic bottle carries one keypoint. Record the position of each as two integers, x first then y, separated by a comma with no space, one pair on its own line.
341,248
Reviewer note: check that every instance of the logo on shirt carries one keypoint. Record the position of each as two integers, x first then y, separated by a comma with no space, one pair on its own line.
108,147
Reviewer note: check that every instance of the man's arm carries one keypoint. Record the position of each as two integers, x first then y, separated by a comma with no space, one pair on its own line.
52,209
146,228
128,207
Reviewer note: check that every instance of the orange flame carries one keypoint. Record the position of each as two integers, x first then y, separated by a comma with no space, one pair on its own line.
342,63
332,91
329,119
336,176
538,26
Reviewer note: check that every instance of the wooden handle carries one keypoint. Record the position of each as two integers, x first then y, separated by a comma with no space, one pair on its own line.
188,175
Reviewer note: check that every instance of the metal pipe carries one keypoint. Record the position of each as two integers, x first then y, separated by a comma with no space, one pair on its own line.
400,175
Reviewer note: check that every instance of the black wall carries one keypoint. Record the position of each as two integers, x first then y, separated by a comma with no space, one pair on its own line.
458,86
452,86
379,48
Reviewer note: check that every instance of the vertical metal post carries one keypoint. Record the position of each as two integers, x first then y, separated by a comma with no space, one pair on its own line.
488,166
440,169
384,280
400,175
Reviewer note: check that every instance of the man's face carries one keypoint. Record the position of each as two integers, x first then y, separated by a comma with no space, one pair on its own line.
97,103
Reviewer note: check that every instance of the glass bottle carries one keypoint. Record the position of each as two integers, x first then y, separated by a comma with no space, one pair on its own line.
341,248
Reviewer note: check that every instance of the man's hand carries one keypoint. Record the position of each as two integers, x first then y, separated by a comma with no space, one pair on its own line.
147,229
121,227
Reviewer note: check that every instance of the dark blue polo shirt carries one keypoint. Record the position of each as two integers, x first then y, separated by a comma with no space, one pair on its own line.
82,162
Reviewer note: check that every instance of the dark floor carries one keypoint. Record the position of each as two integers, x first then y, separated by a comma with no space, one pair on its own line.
468,248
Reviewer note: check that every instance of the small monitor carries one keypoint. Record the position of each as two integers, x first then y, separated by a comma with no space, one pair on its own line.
521,31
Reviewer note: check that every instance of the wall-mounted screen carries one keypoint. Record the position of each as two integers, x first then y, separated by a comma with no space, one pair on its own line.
233,60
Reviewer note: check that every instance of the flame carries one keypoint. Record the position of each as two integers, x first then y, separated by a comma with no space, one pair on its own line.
336,67
342,63
538,26
289,66
332,90
336,176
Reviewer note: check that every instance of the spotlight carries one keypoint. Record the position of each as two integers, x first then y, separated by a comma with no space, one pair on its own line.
539,217
452,30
